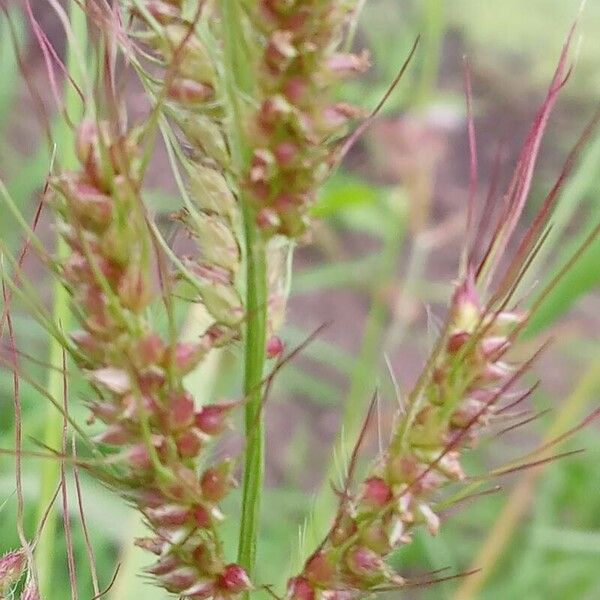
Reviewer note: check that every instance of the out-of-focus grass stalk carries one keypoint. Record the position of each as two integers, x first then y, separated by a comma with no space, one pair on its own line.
522,496
50,474
241,84
432,23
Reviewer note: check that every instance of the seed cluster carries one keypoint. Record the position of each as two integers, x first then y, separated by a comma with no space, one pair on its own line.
467,380
297,119
151,423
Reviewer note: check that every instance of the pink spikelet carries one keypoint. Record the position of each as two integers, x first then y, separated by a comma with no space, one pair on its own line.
12,567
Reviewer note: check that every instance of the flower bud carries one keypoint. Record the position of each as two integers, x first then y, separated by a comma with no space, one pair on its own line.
234,579
168,515
299,588
274,347
286,153
154,545
466,308
263,165
376,538
190,443
217,481
469,411
86,139
90,206
431,520
503,322
87,343
218,335
212,418
457,340
188,355
344,528
113,379
88,150
180,410
338,115
365,564
206,560
149,497
107,412
320,569
343,65
115,435
164,565
296,89
376,493
202,516
402,468
134,289
493,372
150,350
216,240
219,295
268,220
449,465
139,457
200,590
178,580
280,51
493,345
274,109
211,193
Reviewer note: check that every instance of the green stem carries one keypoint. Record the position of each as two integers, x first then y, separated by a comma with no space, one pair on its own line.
241,85
256,298
432,24
50,474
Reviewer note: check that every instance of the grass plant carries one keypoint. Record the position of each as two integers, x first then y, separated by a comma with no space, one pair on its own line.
243,98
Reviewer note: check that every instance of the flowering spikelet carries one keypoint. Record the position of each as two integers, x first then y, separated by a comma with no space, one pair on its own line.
151,421
191,92
296,118
193,86
466,381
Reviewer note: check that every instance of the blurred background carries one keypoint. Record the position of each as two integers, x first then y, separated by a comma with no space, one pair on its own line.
378,274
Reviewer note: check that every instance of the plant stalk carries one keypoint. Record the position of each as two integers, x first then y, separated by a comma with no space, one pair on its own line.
253,372
241,84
